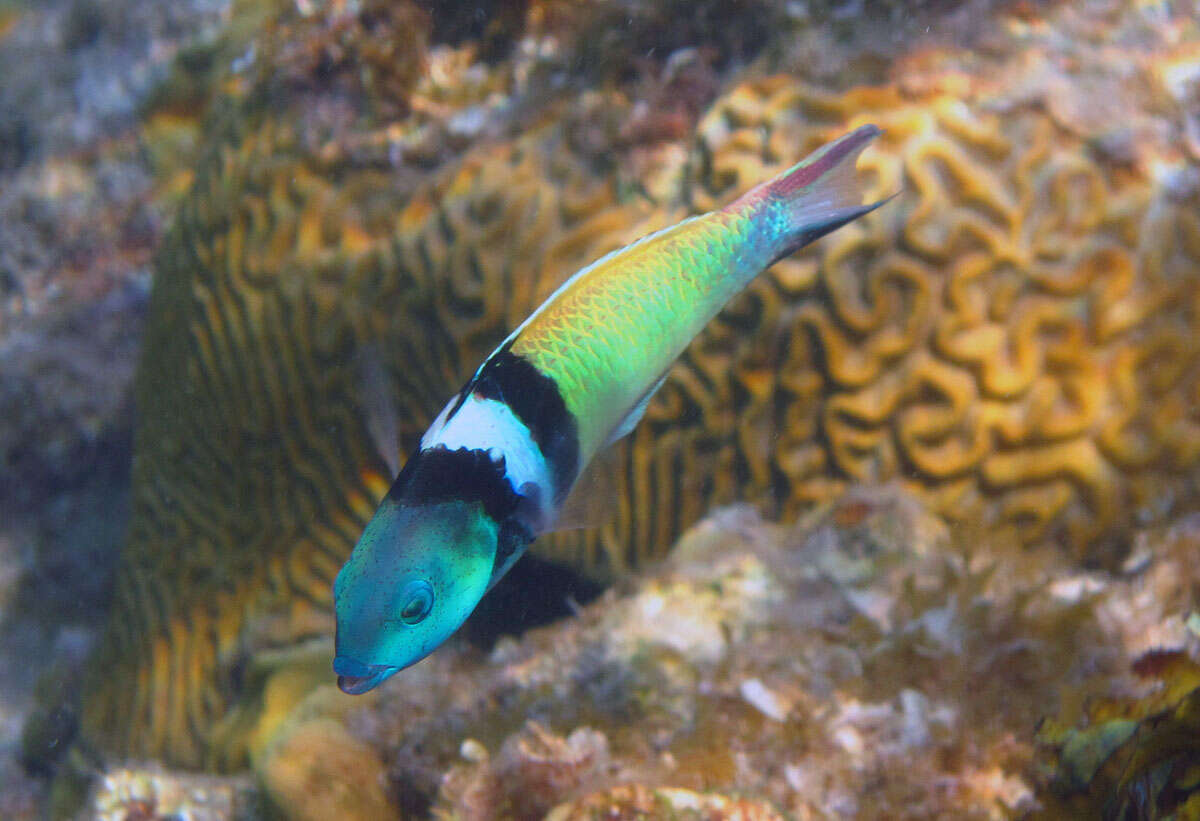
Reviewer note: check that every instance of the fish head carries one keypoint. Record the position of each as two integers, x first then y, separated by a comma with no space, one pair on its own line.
415,575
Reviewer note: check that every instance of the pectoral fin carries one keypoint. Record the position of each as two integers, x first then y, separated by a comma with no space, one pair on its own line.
592,498
626,425
590,503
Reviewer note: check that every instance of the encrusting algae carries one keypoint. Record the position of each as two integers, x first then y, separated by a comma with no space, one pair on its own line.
1131,748
1013,341
1133,757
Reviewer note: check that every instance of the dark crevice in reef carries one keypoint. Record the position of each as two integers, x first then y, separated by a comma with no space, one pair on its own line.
533,593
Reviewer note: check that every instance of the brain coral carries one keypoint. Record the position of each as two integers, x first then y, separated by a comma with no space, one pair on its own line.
255,468
1014,339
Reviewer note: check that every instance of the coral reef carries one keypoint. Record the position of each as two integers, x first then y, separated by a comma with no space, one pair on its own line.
672,804
78,224
1011,338
1136,759
987,338
863,663
319,771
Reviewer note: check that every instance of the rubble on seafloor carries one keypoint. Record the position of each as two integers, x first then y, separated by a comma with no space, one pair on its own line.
861,663
151,795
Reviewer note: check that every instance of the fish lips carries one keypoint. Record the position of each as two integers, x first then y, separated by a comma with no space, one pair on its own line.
356,678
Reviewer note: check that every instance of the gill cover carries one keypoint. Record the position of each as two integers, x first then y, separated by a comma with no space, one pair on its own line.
415,575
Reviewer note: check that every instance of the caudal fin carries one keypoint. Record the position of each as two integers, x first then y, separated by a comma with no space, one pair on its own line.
821,193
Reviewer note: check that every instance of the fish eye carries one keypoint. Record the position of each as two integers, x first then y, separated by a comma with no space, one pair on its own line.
417,598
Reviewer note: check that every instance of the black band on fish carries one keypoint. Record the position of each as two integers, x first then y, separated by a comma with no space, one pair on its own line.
440,475
534,398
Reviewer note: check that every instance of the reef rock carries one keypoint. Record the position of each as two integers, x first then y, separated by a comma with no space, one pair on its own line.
864,663
150,795
1133,747
1011,339
666,803
79,220
80,215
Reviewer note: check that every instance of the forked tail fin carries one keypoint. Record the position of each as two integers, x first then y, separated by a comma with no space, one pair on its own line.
819,194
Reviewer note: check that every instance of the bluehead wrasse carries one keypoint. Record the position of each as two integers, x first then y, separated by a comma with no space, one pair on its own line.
494,468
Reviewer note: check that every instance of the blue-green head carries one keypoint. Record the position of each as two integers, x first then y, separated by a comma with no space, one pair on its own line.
415,575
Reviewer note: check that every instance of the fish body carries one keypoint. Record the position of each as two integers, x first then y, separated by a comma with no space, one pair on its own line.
494,468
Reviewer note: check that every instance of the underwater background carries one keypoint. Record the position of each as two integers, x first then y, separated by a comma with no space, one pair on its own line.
910,530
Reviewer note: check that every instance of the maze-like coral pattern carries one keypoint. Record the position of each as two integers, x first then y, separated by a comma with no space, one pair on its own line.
1013,338
287,280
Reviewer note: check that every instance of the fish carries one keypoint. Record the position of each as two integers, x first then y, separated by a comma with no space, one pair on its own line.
496,466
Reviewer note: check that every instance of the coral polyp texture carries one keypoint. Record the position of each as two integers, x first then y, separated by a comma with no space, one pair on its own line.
285,303
1013,339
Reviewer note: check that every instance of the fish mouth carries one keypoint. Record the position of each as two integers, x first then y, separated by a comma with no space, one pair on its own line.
356,678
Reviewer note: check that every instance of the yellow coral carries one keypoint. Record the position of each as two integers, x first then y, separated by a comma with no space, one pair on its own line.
1014,339
255,468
